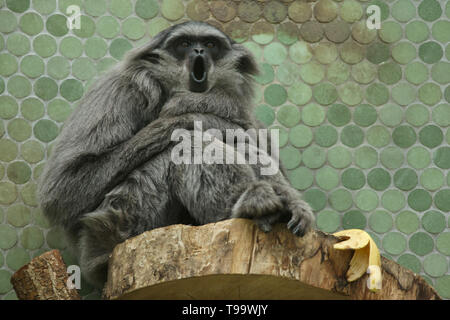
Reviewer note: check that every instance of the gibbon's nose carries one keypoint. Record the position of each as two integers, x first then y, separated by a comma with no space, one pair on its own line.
199,51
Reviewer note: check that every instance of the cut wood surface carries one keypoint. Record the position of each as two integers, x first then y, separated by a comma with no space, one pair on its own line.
233,259
44,278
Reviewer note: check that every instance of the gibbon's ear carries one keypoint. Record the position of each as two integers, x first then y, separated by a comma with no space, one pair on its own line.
246,62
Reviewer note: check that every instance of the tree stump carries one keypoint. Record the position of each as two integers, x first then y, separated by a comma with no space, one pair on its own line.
44,278
233,259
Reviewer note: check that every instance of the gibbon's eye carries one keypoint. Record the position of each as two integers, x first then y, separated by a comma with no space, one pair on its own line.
185,44
210,45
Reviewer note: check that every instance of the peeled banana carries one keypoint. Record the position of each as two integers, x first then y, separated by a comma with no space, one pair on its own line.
365,259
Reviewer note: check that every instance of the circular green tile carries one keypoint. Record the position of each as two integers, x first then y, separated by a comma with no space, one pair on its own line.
71,47
339,115
394,243
362,34
352,52
311,31
5,284
57,25
8,193
121,8
71,89
45,88
146,9
433,222
353,179
32,66
443,283
108,27
390,31
364,72
404,94
366,200
8,236
275,95
417,31
431,136
377,94
366,157
351,93
404,136
442,200
435,265
417,115
38,171
19,129
19,86
416,73
288,73
429,10
419,200
325,93
300,136
32,238
410,262
32,151
430,52
87,28
391,115
325,53
288,116
421,243
18,44
58,67
290,157
381,221
133,28
430,93
328,221
300,52
327,178
265,114
377,52
393,200
442,243
44,6
266,74
32,109
405,179
354,219
18,6
339,157
312,72
338,72
300,178
172,9
390,73
299,11
18,172
352,136
8,21
441,157
384,8
119,47
45,130
95,7
407,222
403,52
18,215
378,179
325,10
440,72
275,12
350,11
9,107
440,31
262,32
378,136
418,157
314,157
364,115
325,136
158,24
403,10
9,150
447,10
17,257
2,132
8,64
299,93
83,69
315,198
2,85
254,48
441,115
313,114
29,194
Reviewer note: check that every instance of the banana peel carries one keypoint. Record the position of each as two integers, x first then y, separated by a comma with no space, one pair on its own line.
366,257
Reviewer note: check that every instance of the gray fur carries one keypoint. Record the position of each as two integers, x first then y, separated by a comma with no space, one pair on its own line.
110,176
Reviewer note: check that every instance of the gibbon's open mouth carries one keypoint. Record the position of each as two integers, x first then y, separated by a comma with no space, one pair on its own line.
198,77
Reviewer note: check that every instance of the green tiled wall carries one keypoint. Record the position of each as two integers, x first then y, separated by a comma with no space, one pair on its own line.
364,114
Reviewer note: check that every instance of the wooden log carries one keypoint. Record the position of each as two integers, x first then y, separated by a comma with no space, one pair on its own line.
233,259
44,278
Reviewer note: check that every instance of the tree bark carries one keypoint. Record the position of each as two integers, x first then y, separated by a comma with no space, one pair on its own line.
233,259
44,278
